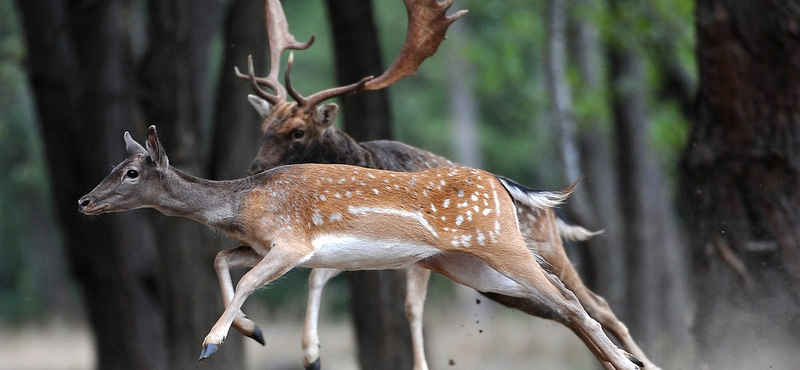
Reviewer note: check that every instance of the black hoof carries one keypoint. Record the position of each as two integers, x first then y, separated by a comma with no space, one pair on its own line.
314,366
258,336
635,360
208,350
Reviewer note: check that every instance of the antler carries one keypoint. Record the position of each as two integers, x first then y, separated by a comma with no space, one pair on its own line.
427,25
280,40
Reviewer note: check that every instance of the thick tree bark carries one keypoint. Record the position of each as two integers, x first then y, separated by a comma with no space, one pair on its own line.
236,136
741,172
79,73
377,297
176,97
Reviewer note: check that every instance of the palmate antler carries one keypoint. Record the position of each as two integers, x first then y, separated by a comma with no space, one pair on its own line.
427,25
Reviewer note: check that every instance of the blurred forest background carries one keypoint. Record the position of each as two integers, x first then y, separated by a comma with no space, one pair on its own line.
682,115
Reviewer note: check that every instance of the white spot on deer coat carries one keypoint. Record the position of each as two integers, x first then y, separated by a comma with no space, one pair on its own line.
393,212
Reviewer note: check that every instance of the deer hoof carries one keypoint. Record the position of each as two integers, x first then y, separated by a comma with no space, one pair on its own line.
208,350
313,366
635,360
258,336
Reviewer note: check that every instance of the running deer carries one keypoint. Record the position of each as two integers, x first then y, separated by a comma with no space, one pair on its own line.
457,221
302,132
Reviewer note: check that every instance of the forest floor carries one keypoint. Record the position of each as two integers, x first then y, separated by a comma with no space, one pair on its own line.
489,337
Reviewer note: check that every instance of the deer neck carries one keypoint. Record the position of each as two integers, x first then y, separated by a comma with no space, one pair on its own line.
214,203
339,148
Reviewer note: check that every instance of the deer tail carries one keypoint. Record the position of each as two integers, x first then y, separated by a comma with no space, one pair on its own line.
535,198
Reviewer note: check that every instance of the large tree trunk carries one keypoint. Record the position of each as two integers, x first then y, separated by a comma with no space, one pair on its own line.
741,173
175,79
376,297
79,70
236,137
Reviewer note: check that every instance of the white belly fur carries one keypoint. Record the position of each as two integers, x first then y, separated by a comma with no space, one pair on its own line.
350,253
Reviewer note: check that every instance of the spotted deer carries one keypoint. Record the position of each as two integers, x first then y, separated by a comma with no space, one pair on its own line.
457,221
302,131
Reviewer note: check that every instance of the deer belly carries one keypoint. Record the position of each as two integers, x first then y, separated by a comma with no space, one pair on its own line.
351,253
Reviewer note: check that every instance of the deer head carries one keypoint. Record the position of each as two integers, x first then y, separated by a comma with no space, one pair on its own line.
292,130
129,185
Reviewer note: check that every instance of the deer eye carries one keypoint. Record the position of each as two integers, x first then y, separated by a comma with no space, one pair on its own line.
298,134
132,174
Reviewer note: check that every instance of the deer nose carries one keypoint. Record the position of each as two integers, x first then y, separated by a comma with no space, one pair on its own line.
255,169
84,202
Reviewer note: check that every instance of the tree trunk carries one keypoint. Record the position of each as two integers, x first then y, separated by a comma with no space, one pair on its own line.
78,69
236,137
376,297
741,174
657,296
463,104
174,74
606,273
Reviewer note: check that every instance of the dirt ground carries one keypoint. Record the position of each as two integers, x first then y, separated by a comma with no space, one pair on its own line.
487,338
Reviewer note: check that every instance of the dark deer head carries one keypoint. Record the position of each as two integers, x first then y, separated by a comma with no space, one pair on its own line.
293,131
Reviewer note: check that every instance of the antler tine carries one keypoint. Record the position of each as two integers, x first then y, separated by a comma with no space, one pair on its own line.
427,25
301,101
256,81
322,95
280,39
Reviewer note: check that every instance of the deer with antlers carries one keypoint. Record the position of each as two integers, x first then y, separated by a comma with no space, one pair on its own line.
302,131
457,221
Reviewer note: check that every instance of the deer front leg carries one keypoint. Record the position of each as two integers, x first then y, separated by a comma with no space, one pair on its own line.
316,282
276,263
238,257
416,288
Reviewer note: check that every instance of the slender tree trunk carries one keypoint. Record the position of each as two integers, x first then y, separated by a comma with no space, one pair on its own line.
174,74
607,273
741,172
657,295
78,69
377,297
463,104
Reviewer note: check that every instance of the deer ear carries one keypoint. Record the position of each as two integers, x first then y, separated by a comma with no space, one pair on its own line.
154,148
326,114
132,146
261,105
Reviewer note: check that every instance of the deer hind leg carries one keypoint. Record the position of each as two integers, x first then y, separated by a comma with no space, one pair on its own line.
316,282
416,289
519,275
276,263
598,308
238,257
553,252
